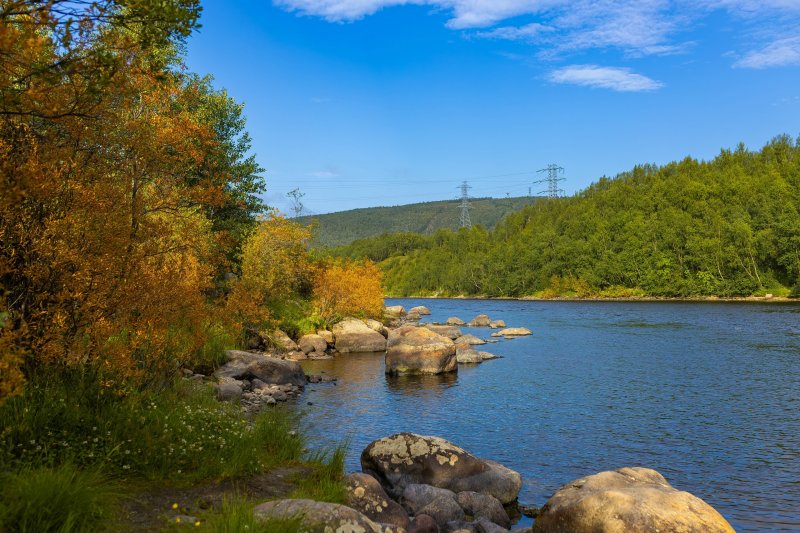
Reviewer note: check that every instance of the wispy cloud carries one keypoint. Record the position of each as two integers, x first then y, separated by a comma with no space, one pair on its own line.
324,174
614,78
780,53
636,27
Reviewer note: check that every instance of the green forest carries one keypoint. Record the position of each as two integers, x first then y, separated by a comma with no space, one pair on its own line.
337,229
725,227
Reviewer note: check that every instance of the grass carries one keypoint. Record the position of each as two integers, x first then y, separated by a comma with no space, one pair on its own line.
62,499
325,483
236,516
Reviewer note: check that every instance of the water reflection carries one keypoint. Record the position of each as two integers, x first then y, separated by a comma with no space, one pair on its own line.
421,386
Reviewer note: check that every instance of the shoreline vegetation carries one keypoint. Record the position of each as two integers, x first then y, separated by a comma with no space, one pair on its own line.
697,299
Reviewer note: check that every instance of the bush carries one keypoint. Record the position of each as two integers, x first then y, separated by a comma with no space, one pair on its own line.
348,288
62,499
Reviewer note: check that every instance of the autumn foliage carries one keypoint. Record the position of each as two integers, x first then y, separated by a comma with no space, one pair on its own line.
348,288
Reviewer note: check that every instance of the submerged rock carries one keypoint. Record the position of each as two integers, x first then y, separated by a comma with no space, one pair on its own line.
405,459
352,335
413,350
628,500
512,332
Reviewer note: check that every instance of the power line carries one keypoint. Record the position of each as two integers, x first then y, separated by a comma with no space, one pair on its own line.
465,205
552,179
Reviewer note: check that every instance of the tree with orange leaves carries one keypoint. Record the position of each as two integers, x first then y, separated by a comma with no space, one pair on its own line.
348,288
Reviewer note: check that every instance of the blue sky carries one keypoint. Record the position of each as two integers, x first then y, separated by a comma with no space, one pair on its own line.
384,102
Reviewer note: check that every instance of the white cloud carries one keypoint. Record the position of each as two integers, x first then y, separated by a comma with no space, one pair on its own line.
528,32
324,174
614,78
780,53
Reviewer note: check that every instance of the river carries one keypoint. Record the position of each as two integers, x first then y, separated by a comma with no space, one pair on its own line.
708,394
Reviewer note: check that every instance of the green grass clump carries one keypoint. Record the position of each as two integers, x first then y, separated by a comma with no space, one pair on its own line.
237,515
180,434
62,499
325,482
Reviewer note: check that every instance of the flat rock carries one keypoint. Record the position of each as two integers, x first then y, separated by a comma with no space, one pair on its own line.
405,458
628,500
451,332
413,350
470,339
352,335
468,356
514,332
495,324
317,517
257,366
365,494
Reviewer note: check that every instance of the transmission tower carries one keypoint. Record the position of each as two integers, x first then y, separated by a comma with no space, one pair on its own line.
295,196
552,179
465,205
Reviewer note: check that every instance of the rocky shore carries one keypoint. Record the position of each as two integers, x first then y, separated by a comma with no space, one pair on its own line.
424,484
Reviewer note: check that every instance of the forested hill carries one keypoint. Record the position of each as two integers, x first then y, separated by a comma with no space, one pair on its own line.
335,229
726,227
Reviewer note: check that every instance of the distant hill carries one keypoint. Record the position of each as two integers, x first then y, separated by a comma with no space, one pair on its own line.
337,229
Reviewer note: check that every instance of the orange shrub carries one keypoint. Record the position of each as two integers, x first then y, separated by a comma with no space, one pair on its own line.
347,288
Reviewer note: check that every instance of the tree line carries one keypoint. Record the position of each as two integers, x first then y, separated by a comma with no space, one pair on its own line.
725,227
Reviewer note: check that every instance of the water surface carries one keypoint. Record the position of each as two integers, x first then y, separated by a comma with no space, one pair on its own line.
708,394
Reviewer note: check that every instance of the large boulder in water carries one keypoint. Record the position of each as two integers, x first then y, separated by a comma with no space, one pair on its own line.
365,495
248,365
512,332
405,459
413,350
628,500
480,321
352,335
454,321
317,517
419,310
394,311
451,332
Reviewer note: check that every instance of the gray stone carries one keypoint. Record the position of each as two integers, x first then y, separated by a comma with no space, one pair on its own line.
228,392
487,526
312,343
423,523
257,366
405,458
318,517
483,506
470,339
459,526
413,350
417,496
480,321
469,356
352,335
365,495
451,332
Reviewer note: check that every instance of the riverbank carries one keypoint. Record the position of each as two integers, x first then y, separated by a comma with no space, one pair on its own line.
697,299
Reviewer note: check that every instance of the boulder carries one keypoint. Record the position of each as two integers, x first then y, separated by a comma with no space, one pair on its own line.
365,495
405,458
229,391
413,350
312,343
374,325
299,355
439,504
419,310
280,340
470,339
327,335
317,517
631,500
455,321
423,523
394,311
468,356
487,526
495,324
480,321
513,332
460,526
352,335
486,356
483,506
451,332
247,365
